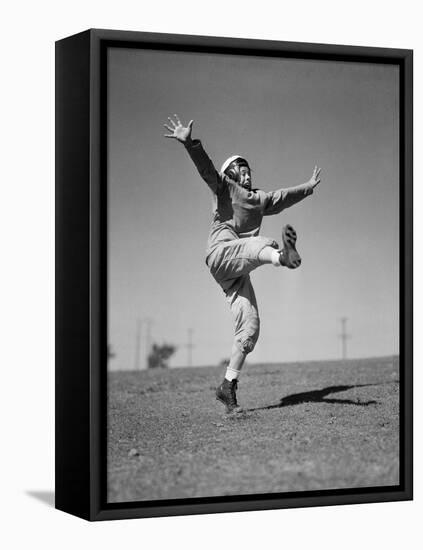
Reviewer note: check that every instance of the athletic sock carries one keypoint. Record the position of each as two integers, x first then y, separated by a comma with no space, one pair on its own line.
276,258
231,374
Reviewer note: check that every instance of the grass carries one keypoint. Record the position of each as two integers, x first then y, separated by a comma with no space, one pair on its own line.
306,426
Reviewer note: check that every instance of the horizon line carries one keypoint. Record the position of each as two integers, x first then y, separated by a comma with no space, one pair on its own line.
267,363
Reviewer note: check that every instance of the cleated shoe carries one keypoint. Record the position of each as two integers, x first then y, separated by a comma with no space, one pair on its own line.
289,256
226,394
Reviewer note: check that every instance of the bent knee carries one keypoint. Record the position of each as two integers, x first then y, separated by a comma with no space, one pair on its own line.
248,335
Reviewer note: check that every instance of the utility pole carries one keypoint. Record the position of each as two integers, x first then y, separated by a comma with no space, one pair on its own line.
148,324
189,347
137,344
138,337
344,336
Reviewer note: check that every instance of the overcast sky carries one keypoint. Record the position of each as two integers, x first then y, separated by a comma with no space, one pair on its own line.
284,116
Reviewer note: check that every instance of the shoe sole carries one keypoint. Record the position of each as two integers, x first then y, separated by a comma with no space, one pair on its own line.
228,409
289,238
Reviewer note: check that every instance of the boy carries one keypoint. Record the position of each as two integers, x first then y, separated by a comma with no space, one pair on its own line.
234,248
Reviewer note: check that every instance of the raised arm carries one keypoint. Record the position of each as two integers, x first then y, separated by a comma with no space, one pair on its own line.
195,150
284,198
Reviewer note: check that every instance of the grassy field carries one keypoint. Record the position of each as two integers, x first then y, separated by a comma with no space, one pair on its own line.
305,426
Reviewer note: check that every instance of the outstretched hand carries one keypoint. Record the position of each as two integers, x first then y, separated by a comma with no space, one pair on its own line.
178,131
315,178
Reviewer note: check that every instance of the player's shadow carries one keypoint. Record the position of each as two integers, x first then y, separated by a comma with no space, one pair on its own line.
319,396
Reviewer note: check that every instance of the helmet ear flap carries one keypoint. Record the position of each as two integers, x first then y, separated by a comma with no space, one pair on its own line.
233,172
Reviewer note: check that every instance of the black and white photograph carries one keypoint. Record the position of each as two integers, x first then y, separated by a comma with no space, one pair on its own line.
211,262
253,275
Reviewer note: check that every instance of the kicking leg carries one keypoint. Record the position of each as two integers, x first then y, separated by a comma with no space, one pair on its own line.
288,256
237,258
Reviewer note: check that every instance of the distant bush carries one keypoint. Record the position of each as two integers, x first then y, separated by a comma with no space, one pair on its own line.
160,355
110,352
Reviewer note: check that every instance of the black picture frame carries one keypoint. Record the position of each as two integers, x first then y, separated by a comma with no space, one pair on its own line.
81,283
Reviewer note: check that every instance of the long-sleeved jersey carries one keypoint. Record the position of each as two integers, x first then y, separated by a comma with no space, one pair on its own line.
238,212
